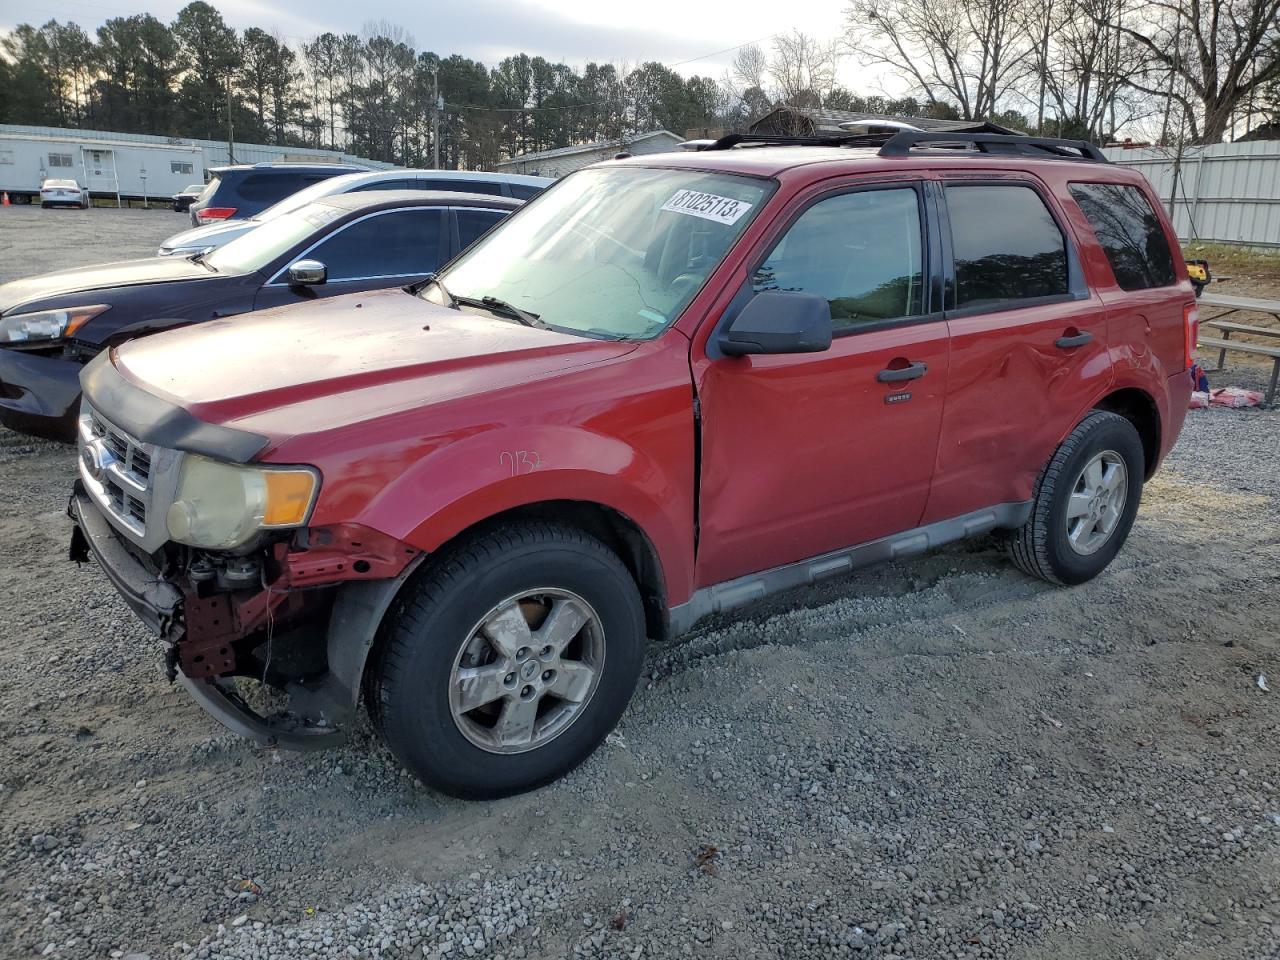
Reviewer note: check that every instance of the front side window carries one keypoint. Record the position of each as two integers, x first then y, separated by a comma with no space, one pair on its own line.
861,251
611,251
1007,245
524,191
397,244
474,224
1130,233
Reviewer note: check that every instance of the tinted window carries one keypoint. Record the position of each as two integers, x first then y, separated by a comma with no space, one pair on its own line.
861,251
473,224
1130,233
268,187
460,185
393,244
1007,245
387,185
523,191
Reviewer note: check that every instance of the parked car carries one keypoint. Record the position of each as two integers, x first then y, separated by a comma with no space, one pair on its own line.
239,191
63,193
669,386
213,235
184,198
50,326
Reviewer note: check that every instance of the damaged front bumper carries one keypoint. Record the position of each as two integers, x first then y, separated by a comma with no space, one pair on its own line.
208,634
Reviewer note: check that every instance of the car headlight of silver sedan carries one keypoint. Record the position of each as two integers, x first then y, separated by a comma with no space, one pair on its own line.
223,505
47,324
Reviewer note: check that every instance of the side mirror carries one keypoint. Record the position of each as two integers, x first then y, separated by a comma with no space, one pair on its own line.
307,273
778,321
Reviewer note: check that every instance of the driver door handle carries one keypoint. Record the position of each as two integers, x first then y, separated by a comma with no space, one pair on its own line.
912,371
1079,340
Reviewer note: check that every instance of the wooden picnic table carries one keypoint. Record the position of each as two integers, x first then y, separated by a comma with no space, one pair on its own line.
1232,305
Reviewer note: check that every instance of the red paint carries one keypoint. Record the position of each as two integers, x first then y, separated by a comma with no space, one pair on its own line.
421,433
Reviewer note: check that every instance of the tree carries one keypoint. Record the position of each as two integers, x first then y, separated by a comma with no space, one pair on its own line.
208,53
1208,56
803,69
966,52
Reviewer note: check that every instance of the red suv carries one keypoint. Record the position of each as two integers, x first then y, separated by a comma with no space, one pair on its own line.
666,387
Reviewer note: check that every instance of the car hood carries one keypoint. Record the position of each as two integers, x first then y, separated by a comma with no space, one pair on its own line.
306,369
210,235
109,275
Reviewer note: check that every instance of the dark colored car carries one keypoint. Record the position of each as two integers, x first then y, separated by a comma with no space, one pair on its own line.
669,386
240,191
184,198
51,325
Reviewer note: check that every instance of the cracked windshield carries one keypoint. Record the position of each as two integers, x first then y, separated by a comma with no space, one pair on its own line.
614,253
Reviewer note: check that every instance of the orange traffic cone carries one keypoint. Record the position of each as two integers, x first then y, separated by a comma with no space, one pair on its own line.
5,201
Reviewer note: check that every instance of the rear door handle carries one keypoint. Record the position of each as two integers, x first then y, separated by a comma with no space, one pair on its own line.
912,371
1079,340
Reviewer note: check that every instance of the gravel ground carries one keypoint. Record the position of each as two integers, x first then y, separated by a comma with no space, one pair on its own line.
931,759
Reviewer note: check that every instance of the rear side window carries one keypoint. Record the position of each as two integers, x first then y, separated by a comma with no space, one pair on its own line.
387,185
524,191
461,185
474,224
861,251
1007,245
397,244
1130,234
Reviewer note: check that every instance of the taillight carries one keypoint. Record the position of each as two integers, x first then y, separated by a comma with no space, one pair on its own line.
215,213
1191,332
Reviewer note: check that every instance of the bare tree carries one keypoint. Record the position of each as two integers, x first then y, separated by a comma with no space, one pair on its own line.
802,68
1208,56
966,52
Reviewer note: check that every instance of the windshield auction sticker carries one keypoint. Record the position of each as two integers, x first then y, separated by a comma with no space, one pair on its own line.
708,206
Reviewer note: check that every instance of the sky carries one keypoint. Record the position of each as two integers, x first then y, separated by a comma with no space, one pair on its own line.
691,37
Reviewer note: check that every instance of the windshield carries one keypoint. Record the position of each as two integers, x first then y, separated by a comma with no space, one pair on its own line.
613,251
330,186
264,243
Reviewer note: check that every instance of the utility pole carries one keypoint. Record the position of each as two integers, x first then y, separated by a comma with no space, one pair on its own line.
231,138
436,106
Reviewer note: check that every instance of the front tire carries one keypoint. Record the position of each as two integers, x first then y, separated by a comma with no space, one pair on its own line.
1084,504
508,661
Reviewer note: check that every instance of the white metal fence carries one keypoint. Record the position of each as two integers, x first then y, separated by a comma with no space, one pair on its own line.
1226,193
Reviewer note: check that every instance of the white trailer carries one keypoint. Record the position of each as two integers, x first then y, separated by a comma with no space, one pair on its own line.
116,169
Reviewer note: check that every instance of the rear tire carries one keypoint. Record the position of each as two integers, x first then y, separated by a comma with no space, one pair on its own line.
45,206
1084,503
508,661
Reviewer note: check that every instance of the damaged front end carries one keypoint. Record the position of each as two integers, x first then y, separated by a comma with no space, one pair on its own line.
270,637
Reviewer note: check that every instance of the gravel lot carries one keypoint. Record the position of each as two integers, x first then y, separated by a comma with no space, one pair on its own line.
931,759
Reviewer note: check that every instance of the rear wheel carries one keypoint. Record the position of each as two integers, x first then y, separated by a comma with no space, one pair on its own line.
508,661
1085,502
45,206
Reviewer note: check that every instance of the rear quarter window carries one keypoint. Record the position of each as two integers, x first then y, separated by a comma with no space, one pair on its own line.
268,188
1129,232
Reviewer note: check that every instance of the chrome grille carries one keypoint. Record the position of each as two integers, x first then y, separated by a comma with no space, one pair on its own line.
132,482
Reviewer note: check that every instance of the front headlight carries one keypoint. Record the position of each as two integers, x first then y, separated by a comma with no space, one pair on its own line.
47,324
222,505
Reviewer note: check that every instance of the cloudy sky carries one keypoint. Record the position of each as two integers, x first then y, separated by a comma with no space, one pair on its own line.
574,31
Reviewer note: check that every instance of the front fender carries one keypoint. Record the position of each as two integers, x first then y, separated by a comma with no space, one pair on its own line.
479,476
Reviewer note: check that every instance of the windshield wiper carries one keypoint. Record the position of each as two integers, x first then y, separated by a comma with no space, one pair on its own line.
419,285
199,257
506,309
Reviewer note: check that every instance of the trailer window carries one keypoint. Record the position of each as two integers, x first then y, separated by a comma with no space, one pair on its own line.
177,166
59,159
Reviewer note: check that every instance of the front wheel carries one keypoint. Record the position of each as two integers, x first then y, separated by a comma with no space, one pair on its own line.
1085,502
506,663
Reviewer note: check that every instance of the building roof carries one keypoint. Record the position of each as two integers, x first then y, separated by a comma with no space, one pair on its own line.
828,121
588,147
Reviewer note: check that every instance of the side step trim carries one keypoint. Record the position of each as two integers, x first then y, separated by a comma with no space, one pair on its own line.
733,594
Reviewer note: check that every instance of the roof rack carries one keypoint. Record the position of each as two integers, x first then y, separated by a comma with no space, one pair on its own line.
900,144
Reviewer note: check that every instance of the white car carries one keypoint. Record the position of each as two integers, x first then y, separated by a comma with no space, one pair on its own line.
63,193
213,235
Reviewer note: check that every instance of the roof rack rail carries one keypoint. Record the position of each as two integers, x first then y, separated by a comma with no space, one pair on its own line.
766,139
900,144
